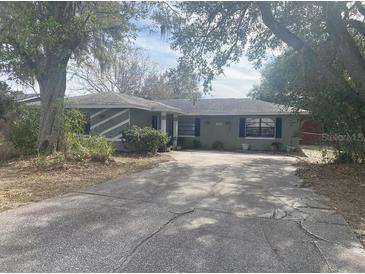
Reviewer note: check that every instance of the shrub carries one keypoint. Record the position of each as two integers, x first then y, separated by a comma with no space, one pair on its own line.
75,147
23,129
218,145
41,161
100,149
145,140
7,151
74,121
95,147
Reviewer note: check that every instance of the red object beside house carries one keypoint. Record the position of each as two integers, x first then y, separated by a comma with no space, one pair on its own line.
311,133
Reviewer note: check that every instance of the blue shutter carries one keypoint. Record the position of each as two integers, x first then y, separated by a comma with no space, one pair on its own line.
197,126
279,126
242,132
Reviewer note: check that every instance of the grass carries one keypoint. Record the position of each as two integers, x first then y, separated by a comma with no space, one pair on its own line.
34,179
343,183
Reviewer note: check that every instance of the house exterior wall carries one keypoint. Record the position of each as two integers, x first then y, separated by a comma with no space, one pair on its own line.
212,128
113,126
226,130
142,118
108,122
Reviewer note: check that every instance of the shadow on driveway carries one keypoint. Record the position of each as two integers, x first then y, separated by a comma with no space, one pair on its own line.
203,212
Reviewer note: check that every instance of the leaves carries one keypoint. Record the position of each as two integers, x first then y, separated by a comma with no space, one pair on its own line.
31,32
212,35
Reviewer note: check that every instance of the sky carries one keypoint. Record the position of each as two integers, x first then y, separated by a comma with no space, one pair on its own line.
237,81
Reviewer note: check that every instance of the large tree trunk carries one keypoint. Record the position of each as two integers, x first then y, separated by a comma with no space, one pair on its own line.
52,84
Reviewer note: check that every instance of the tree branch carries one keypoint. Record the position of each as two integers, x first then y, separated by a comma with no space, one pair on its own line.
347,47
292,40
21,51
360,8
358,26
279,29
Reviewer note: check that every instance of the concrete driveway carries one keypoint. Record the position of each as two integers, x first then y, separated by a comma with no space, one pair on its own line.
203,212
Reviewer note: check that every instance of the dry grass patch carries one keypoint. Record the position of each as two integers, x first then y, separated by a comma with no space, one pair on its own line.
35,179
344,184
317,154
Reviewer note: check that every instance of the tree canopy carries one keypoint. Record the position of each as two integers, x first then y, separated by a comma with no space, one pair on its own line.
7,99
39,38
131,71
328,35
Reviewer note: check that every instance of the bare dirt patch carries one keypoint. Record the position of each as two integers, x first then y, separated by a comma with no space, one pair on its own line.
29,180
344,184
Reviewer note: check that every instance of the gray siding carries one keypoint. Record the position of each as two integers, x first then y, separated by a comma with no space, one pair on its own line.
104,124
142,118
227,132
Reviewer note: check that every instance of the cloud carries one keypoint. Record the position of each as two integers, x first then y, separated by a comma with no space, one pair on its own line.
157,48
237,81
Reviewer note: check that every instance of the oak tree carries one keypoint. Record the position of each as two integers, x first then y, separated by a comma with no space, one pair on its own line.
329,36
37,40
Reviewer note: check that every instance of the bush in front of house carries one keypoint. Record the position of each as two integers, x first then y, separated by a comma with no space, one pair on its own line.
145,140
100,149
23,129
7,151
94,147
23,134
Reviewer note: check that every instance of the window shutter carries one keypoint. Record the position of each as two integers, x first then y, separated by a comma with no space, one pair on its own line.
242,132
154,121
278,127
197,127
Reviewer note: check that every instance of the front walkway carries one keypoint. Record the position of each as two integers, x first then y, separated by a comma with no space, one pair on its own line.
204,212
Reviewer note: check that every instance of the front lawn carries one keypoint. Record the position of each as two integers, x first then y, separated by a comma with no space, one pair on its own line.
35,179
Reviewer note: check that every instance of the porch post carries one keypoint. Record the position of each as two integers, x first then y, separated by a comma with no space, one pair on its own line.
175,127
163,122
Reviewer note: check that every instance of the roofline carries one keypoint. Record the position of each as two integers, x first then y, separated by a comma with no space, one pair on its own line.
27,99
124,106
247,113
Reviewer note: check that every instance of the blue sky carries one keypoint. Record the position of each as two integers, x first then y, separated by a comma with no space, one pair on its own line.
236,82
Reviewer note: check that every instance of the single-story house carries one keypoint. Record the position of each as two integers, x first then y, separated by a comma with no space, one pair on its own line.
232,122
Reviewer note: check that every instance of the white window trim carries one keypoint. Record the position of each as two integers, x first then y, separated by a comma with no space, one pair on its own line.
261,138
188,136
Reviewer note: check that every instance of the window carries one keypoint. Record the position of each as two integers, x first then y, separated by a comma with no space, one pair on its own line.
260,127
87,124
189,127
155,121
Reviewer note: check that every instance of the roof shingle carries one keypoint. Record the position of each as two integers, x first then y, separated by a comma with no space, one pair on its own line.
227,106
111,99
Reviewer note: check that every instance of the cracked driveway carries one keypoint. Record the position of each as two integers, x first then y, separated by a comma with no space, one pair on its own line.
203,212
